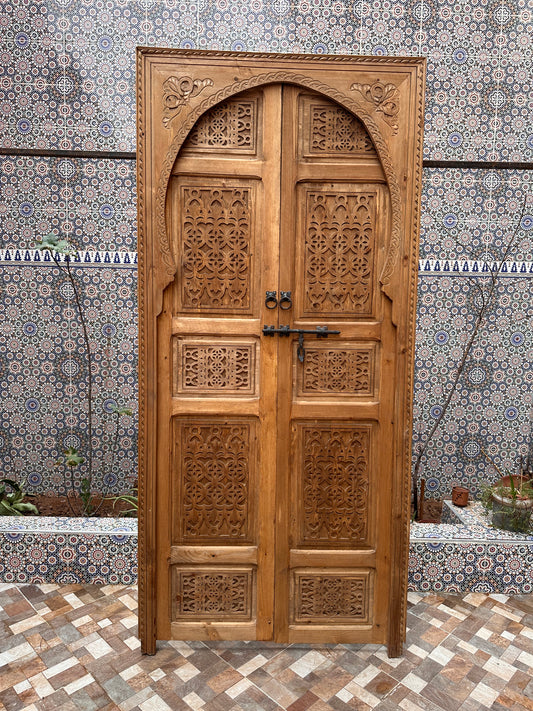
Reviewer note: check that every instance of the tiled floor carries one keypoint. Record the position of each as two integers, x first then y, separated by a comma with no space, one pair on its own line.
75,647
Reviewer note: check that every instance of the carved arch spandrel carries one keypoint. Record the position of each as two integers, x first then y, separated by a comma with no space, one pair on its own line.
351,103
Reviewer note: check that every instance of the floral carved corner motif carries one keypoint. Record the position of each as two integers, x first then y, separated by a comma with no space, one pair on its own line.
178,91
384,97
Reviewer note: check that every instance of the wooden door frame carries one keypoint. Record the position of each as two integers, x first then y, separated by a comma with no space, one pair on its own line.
387,95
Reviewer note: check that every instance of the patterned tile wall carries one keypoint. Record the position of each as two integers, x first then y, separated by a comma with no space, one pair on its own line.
489,414
67,68
67,81
473,214
93,201
43,381
67,551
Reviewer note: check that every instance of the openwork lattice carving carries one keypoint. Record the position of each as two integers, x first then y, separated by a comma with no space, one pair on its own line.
341,597
334,484
339,243
204,368
216,595
333,130
216,248
386,100
177,92
231,125
216,461
337,370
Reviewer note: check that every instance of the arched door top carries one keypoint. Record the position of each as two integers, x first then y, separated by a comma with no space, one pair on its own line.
357,103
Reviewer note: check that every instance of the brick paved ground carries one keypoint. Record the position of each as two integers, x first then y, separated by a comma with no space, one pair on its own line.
75,647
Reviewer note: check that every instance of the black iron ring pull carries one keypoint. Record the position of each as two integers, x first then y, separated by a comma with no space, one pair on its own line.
270,299
285,302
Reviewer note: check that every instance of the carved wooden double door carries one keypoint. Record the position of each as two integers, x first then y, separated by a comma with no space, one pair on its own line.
276,363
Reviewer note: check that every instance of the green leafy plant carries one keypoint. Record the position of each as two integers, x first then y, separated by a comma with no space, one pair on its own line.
85,496
12,502
131,499
81,483
510,508
509,500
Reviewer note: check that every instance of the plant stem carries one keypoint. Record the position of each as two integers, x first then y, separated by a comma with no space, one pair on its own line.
113,454
83,323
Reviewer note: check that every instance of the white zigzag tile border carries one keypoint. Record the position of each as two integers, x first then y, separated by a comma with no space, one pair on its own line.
462,267
87,258
128,260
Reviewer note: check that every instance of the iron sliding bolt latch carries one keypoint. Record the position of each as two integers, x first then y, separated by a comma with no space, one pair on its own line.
319,332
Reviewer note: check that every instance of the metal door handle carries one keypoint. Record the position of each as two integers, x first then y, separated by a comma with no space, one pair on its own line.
270,299
285,302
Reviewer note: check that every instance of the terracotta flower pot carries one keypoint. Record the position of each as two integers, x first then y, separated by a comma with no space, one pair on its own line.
460,496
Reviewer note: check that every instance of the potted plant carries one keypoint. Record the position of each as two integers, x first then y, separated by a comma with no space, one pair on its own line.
510,499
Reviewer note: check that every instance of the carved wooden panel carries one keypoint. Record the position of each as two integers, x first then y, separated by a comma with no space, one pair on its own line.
200,593
214,366
241,190
344,369
337,596
331,131
229,126
216,462
216,243
338,243
333,484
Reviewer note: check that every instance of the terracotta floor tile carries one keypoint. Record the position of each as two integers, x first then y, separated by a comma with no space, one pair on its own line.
519,699
10,677
435,636
18,607
32,667
304,703
320,706
460,649
457,669
381,685
333,682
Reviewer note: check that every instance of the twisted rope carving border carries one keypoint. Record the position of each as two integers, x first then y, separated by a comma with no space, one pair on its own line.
141,287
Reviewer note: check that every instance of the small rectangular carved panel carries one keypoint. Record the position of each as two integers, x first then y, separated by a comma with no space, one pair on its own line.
344,369
220,594
216,244
214,367
229,126
335,597
333,482
331,131
216,461
337,243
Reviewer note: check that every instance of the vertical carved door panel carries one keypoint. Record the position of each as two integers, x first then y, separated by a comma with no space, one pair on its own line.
224,224
333,537
275,461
